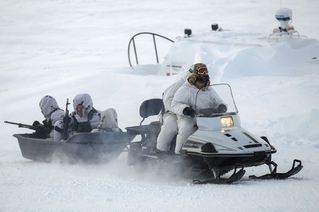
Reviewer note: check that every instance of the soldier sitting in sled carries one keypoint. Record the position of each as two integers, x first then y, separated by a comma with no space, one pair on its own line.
86,118
53,119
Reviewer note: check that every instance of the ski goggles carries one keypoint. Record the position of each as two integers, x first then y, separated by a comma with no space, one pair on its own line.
202,71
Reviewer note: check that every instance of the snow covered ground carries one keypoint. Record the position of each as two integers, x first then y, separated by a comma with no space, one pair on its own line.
66,47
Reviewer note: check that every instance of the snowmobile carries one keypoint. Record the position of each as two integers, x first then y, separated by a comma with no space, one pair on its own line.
88,147
220,144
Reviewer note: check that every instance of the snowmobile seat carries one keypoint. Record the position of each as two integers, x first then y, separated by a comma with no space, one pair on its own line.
150,107
150,131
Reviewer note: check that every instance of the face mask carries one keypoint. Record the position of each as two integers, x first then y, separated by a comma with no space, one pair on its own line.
203,79
202,82
80,110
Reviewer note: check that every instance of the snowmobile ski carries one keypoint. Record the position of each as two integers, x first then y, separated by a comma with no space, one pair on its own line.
296,167
237,175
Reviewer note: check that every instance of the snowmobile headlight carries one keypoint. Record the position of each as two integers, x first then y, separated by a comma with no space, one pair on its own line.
227,122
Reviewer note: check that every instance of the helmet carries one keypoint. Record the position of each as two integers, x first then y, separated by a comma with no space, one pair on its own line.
48,104
284,16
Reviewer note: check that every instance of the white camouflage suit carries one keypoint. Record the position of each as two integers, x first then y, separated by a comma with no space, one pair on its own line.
52,112
102,120
185,97
169,125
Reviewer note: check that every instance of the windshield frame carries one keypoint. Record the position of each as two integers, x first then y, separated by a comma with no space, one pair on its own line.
216,114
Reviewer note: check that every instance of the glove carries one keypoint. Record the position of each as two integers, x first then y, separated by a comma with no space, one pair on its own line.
36,123
188,111
41,130
47,123
221,108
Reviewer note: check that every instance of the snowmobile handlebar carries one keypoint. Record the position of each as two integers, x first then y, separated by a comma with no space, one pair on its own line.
222,108
224,96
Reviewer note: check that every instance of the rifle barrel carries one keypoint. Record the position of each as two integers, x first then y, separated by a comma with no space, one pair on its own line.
9,122
20,125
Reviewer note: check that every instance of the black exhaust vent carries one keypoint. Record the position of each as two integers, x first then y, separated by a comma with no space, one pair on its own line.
251,138
252,145
208,148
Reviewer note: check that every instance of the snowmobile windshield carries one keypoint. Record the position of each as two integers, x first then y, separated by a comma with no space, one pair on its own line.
217,100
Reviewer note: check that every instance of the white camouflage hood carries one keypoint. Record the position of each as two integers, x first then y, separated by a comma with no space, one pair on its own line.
85,100
48,104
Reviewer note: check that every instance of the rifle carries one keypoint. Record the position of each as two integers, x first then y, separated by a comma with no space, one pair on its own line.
22,125
66,121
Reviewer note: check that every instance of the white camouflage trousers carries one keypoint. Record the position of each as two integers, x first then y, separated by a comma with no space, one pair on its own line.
182,126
